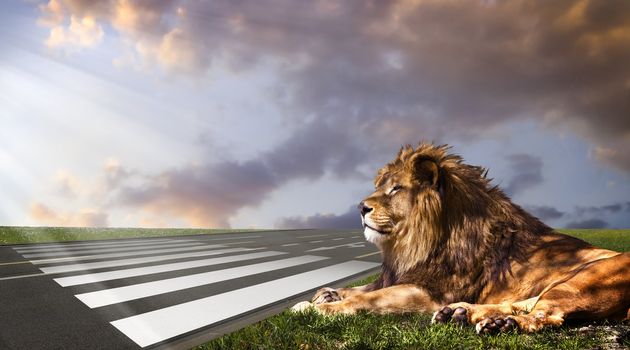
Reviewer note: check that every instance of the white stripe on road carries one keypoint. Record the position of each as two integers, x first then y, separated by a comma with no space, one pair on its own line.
141,290
111,245
148,270
134,261
290,244
359,244
233,243
95,251
315,242
229,238
156,326
121,255
311,236
86,243
338,239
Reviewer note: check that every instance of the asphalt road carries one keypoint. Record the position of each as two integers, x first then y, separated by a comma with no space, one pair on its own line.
167,292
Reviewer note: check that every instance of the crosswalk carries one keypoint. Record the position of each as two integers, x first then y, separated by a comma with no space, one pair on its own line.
156,290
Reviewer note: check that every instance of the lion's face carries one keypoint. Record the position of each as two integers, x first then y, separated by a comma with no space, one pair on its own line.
400,187
386,207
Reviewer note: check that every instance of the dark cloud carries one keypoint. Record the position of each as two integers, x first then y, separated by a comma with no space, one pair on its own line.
581,217
587,223
545,212
408,70
312,150
595,216
527,170
349,219
601,210
614,208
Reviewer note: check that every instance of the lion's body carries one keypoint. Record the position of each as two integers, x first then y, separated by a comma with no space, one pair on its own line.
448,237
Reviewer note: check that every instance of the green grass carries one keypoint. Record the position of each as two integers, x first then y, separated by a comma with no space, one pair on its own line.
414,331
617,240
17,235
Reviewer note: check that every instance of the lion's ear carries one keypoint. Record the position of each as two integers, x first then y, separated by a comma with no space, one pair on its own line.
426,171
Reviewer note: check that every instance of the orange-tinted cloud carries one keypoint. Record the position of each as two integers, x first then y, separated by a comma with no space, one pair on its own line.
80,33
42,214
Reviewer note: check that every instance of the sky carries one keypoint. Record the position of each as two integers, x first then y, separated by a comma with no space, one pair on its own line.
278,113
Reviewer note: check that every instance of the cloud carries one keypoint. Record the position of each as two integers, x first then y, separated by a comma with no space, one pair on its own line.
208,194
42,214
313,149
614,208
527,171
204,196
580,216
430,68
601,210
80,33
544,212
114,173
67,184
52,13
613,154
349,219
587,223
369,76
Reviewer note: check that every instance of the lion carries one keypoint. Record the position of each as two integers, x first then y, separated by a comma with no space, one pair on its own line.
456,246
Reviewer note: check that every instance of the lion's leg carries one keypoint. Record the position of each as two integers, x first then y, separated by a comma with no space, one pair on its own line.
395,299
600,290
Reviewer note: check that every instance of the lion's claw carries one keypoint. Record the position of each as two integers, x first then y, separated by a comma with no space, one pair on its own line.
326,295
495,325
458,315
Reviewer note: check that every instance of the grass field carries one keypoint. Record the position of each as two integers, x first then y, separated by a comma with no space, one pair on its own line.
17,235
414,331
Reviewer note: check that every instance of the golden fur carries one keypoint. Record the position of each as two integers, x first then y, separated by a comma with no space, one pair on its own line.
448,237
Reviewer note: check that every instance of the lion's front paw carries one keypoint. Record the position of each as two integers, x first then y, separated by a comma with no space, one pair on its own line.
458,315
326,295
335,308
496,324
302,306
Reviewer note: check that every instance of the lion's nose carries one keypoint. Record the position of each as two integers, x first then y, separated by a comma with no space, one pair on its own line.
364,208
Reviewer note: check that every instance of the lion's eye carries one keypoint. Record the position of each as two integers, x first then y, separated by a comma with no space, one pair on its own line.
395,189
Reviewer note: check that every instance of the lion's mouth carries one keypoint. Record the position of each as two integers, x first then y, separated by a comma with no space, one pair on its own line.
373,229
